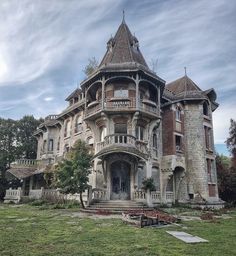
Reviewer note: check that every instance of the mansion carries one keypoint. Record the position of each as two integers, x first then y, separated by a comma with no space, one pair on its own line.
138,127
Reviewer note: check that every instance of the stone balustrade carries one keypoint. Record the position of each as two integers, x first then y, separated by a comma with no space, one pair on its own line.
148,108
25,163
169,197
99,194
140,195
156,196
123,140
113,104
36,193
13,195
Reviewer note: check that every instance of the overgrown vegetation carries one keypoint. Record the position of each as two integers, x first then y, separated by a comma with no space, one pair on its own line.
72,173
91,66
226,168
16,141
24,230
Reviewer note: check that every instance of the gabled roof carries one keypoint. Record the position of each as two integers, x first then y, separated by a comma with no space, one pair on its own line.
183,84
123,48
185,89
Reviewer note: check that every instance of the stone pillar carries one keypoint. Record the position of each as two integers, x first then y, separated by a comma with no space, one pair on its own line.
165,176
103,91
137,91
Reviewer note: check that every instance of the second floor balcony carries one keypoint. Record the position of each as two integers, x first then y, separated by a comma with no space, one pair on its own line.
121,104
122,142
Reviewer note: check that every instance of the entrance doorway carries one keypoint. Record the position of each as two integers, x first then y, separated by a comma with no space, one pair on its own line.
120,180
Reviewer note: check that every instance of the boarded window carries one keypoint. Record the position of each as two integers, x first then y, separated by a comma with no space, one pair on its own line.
121,93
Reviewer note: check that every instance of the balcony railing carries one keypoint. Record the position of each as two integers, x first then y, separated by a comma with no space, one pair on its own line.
31,163
122,139
25,163
120,104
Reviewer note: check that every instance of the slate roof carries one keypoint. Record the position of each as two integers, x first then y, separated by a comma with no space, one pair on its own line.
183,84
22,172
123,48
185,89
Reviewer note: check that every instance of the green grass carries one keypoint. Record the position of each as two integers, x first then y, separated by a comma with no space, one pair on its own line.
27,230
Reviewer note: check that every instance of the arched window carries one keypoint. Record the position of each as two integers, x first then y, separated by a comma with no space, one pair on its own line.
178,113
67,129
155,143
154,140
205,109
78,124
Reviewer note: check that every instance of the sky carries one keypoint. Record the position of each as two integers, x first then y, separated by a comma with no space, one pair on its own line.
45,45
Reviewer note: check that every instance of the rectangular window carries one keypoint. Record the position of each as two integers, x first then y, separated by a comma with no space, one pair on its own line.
178,143
58,144
206,136
139,132
50,145
209,169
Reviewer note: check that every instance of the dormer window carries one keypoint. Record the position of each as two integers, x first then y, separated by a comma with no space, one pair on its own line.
205,109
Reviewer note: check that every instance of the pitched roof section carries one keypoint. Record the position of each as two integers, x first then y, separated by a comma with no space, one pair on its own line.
183,84
123,48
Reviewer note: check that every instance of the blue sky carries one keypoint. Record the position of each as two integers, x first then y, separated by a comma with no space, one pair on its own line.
45,45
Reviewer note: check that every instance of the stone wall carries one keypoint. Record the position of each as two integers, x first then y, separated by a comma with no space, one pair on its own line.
195,149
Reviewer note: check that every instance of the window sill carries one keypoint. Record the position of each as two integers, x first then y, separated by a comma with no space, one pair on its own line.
78,133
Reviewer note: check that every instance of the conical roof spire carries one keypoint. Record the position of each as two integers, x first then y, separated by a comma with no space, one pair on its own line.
123,48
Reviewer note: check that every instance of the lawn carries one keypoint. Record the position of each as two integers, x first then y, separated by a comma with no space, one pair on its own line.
27,230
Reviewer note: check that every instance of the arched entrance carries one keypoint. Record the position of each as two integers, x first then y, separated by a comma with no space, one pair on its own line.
120,180
178,182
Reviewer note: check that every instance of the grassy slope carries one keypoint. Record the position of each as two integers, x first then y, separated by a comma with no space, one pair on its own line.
28,231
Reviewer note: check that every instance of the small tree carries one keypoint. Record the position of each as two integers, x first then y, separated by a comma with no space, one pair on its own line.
91,67
72,173
148,184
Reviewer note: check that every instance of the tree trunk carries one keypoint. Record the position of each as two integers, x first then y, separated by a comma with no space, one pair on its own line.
81,199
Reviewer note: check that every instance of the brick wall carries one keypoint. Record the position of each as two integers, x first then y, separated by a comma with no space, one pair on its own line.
168,126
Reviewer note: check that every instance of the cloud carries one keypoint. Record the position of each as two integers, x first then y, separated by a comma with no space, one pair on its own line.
46,44
48,98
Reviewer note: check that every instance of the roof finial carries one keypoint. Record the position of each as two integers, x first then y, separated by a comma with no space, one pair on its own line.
185,71
123,20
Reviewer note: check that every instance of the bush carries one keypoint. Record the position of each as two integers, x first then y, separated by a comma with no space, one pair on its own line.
38,202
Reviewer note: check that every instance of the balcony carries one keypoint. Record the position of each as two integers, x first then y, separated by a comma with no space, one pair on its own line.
31,163
122,142
122,104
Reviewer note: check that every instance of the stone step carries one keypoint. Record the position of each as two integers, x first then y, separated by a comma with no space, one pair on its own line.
117,205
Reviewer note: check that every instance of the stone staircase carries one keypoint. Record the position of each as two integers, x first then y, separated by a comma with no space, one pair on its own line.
115,206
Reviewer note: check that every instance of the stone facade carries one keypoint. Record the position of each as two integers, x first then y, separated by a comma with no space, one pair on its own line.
138,127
